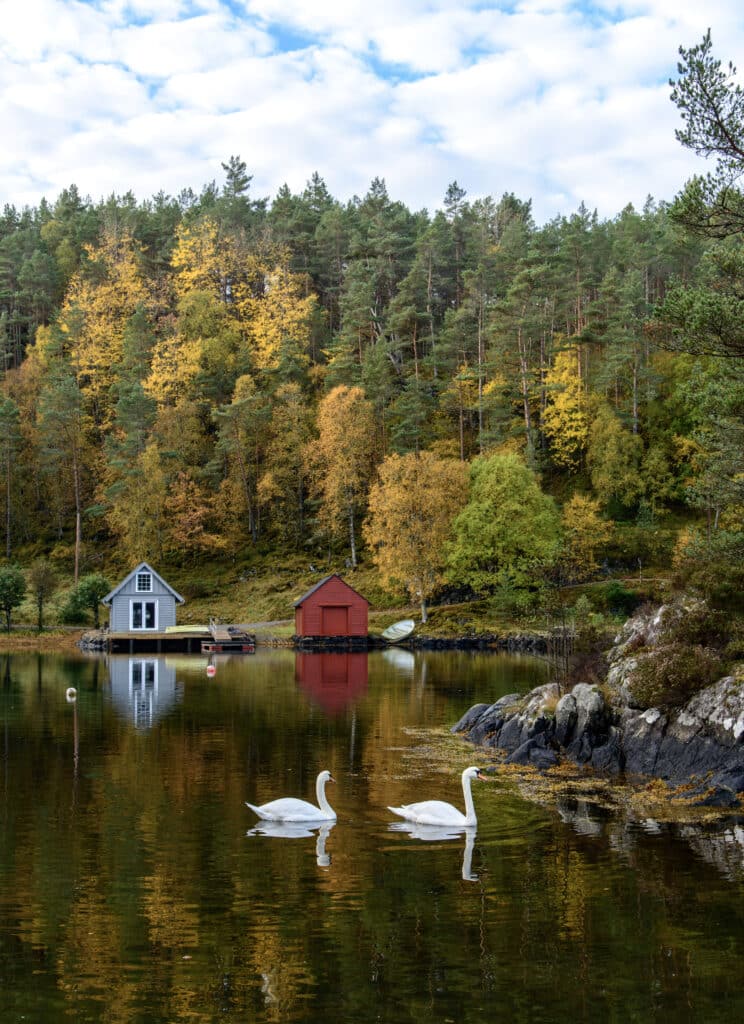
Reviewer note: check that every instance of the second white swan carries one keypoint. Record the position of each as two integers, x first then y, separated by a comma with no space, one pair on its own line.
289,808
437,812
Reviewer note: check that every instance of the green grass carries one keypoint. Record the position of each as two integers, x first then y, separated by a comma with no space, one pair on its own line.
263,586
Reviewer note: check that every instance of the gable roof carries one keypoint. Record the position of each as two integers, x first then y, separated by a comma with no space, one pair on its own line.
142,567
322,583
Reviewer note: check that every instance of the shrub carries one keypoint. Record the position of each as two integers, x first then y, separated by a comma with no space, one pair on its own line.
670,675
619,599
734,650
712,566
631,544
72,611
698,624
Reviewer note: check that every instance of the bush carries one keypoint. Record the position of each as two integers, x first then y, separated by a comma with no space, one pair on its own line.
618,599
631,544
698,625
734,650
712,567
72,611
670,675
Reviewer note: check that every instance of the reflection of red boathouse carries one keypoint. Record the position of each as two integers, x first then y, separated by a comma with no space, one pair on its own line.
332,680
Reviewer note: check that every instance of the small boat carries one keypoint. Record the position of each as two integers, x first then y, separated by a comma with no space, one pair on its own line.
398,631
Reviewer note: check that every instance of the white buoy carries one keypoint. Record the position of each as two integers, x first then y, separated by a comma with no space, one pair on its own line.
211,670
70,694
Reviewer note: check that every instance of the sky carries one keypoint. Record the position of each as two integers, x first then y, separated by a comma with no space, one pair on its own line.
557,101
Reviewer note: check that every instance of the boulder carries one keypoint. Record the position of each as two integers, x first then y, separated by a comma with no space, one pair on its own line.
700,742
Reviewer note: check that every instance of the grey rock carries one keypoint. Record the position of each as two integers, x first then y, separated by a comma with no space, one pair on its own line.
609,757
535,751
702,742
565,719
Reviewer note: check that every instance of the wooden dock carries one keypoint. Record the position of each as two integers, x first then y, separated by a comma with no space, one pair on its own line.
216,638
228,639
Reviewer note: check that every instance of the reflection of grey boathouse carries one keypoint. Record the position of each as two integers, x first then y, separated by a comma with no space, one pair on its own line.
142,689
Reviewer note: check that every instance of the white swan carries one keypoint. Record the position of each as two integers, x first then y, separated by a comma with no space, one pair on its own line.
288,808
437,812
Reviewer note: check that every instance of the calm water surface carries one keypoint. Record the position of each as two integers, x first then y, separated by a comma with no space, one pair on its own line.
133,889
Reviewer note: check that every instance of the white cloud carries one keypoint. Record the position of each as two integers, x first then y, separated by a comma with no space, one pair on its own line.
166,48
541,97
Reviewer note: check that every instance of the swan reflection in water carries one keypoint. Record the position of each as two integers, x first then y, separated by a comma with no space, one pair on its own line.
298,830
438,833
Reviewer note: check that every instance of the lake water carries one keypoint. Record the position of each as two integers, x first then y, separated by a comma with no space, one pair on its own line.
132,888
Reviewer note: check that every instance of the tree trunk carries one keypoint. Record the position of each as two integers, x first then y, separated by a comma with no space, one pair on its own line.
78,515
352,537
524,382
480,373
424,616
7,504
429,293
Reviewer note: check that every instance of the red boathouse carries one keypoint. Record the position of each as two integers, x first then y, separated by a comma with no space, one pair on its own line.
331,609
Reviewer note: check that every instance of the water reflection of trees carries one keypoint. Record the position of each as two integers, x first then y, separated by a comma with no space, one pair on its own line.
150,868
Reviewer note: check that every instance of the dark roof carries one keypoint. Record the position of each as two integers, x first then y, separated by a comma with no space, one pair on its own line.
322,583
140,568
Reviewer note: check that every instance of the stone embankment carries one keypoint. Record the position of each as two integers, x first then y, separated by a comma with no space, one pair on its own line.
93,640
516,643
699,744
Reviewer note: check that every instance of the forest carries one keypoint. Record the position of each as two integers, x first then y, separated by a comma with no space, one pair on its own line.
462,399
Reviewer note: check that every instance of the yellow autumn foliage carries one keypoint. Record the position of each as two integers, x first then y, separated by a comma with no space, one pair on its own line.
205,259
411,509
341,459
100,301
281,320
565,421
585,535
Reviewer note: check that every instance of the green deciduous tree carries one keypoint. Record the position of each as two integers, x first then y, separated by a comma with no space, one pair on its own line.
509,533
614,459
12,590
89,593
585,534
43,581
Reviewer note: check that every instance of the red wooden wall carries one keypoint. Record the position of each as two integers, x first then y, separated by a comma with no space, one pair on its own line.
332,608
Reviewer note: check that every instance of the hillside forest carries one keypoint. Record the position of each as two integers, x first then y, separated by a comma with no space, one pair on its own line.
462,399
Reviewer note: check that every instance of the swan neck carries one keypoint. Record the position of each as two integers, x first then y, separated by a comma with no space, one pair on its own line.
469,805
320,785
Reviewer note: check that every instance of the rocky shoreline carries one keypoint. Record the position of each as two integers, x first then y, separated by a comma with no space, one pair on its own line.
516,643
698,745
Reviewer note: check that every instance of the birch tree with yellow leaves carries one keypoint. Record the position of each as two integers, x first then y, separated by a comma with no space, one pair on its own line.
103,296
412,506
280,323
565,421
343,460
